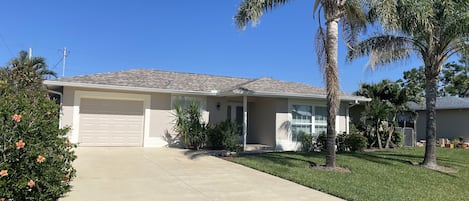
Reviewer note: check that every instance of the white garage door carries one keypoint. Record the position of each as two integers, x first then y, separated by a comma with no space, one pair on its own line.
111,122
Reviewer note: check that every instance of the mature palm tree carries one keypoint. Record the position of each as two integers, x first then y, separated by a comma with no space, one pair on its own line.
353,19
37,63
433,30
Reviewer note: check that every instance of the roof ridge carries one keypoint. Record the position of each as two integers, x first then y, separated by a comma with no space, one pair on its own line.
189,73
157,70
239,85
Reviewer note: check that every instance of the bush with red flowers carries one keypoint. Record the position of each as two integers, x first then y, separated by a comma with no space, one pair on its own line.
35,154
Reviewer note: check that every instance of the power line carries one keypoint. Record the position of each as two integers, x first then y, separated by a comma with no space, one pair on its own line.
6,45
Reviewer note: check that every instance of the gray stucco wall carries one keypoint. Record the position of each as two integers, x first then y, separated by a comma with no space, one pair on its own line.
450,124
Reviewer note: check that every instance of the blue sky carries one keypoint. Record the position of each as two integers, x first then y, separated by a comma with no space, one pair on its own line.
177,35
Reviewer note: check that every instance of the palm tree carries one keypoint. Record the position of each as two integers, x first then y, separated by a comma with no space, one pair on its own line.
37,63
388,101
353,20
433,30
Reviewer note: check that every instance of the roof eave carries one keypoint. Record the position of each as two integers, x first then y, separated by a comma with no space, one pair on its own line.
206,93
126,88
295,95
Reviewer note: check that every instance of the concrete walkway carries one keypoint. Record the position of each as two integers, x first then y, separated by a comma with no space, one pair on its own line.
173,174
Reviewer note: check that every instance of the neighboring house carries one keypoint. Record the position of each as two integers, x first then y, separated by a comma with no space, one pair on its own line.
135,107
452,118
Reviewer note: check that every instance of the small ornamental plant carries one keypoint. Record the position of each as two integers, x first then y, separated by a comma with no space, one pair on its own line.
35,154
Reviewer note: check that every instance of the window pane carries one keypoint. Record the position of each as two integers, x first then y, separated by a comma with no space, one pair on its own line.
319,129
185,101
302,114
320,115
297,129
320,120
228,112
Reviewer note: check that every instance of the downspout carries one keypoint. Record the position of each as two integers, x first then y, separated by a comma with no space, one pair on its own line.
61,101
347,120
347,114
245,121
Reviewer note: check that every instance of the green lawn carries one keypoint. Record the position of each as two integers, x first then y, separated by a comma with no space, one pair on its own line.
380,175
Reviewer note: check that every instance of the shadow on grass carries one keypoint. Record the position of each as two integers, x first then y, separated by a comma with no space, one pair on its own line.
288,158
371,158
194,154
391,158
419,158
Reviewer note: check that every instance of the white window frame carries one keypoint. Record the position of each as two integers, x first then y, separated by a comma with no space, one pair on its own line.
316,133
313,106
202,100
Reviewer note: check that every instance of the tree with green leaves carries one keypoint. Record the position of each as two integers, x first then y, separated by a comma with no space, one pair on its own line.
350,15
455,78
35,154
433,30
414,82
38,64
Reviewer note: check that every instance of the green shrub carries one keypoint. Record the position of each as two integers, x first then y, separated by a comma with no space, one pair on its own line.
322,141
397,138
341,141
306,141
356,142
36,156
224,135
189,127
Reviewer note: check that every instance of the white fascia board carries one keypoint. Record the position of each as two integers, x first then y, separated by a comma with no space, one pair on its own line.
127,88
296,95
211,93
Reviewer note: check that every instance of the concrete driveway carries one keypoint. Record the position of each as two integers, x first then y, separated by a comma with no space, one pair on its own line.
173,174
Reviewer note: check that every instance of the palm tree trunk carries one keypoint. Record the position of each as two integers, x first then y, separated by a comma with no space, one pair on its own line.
430,96
378,136
332,85
390,132
388,141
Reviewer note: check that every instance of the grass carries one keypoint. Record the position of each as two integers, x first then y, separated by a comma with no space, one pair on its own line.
379,175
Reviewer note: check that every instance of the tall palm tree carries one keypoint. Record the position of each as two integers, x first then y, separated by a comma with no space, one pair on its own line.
433,30
353,20
37,63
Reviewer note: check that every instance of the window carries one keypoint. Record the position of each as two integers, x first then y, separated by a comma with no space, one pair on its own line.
308,119
301,120
320,120
185,101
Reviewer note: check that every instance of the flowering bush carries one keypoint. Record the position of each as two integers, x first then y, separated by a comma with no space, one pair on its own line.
35,155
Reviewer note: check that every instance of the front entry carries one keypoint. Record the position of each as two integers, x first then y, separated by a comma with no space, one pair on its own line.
234,113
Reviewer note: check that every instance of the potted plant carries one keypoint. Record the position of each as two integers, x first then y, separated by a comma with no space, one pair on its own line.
449,144
455,143
462,143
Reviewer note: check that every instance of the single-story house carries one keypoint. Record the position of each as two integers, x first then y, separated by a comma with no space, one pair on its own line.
452,118
135,107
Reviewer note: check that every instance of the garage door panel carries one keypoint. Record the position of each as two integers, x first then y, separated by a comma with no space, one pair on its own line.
111,122
111,107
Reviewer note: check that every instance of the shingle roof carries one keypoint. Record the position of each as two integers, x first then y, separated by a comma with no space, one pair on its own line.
442,103
147,78
166,80
271,85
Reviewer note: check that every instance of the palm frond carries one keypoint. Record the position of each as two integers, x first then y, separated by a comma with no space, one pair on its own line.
252,10
353,23
382,49
320,49
317,4
415,16
384,12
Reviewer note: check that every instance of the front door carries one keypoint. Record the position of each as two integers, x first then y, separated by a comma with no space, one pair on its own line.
234,112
